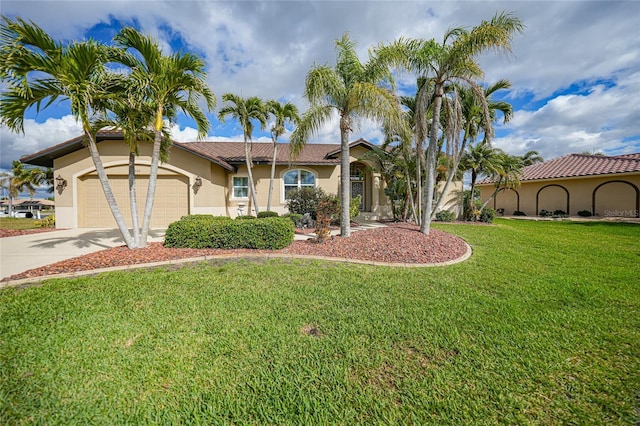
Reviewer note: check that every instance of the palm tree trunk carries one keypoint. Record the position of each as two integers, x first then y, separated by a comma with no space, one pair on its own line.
273,174
133,202
151,190
252,187
108,193
432,152
452,172
345,180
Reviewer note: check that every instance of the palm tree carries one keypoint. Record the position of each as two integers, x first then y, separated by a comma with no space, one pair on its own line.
37,71
245,111
354,90
452,61
21,179
476,108
281,113
480,160
169,84
506,174
531,157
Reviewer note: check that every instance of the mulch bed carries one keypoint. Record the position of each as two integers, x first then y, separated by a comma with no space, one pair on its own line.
16,232
396,243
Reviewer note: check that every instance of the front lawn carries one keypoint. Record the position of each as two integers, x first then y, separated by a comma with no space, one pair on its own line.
17,223
540,326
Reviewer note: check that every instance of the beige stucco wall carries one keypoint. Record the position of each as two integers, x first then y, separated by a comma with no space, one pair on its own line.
114,155
215,194
611,198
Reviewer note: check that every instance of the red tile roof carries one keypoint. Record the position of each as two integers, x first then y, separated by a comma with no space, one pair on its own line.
261,152
575,165
225,154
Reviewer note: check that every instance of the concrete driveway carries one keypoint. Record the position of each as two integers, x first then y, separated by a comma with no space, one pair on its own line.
24,252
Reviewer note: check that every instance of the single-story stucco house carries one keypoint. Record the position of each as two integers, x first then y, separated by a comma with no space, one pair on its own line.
205,178
605,186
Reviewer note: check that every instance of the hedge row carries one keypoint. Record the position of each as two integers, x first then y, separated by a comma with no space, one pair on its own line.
206,231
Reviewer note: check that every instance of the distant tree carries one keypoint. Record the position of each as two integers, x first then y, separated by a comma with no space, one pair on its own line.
245,111
21,179
281,114
531,157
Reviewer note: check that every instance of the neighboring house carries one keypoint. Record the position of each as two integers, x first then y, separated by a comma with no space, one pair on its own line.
606,186
203,178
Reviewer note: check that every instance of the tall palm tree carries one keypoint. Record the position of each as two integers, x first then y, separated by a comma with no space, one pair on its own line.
245,111
37,70
281,113
476,108
20,179
170,84
353,90
452,61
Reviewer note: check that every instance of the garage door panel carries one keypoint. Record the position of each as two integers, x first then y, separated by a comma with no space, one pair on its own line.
170,203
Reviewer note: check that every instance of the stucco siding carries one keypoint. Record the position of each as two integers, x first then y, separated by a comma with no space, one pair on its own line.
610,195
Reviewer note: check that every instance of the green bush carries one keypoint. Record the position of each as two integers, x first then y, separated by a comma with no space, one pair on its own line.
518,213
245,217
584,213
270,233
545,213
47,222
445,216
305,200
295,218
206,217
487,215
268,213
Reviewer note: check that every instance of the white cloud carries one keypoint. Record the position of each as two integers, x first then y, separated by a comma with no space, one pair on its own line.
265,49
36,137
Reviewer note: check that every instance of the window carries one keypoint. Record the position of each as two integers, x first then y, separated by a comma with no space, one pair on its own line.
297,179
240,187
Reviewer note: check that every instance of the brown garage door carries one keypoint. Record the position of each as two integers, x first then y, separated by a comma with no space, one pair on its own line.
171,201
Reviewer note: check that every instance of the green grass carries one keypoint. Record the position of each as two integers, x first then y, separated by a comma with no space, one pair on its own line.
540,326
17,223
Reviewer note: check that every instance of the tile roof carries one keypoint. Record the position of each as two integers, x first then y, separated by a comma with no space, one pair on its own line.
225,154
576,165
232,153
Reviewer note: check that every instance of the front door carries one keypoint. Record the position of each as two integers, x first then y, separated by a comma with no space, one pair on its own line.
357,188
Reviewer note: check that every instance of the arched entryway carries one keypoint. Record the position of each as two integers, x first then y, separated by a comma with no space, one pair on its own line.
616,198
508,200
551,198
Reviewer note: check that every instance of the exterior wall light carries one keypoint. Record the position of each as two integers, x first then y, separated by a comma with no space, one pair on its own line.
197,184
61,184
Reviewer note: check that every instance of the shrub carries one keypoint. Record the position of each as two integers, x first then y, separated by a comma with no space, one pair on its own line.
47,222
206,217
295,218
327,209
245,217
487,215
545,213
559,213
268,213
518,213
305,200
445,216
584,213
270,233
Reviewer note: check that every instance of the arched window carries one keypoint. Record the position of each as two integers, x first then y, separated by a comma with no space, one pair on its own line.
297,179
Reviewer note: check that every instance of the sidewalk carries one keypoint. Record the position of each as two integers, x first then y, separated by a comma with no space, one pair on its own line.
24,252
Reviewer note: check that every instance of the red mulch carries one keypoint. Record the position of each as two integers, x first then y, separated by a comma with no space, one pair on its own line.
16,232
396,243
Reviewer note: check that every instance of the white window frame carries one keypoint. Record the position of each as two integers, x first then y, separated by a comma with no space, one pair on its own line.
299,183
233,187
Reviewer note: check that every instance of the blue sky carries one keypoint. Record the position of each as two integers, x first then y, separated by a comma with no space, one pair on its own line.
575,71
